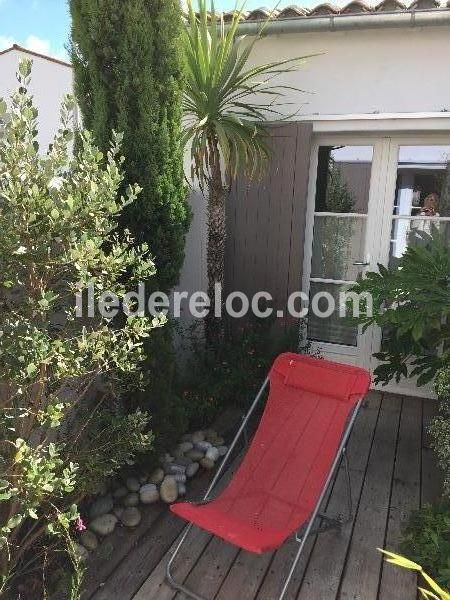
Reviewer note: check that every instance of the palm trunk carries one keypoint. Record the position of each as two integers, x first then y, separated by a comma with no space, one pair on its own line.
216,261
217,196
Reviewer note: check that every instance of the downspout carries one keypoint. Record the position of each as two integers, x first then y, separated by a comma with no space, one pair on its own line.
386,20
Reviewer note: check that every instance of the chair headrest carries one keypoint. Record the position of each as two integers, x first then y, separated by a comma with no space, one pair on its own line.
323,377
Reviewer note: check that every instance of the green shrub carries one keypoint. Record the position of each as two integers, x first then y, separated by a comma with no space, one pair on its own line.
62,427
427,541
232,373
440,426
411,302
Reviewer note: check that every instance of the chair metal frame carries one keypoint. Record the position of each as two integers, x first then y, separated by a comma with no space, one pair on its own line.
326,523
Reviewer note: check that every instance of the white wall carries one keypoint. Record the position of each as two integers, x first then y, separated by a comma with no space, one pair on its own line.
50,82
383,70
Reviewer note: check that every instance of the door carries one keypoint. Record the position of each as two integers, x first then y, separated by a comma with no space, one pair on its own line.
343,205
417,200
366,197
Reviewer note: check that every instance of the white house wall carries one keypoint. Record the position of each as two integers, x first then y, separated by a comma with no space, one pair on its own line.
368,71
50,82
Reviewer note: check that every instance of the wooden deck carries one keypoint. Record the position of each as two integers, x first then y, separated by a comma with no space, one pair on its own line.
393,472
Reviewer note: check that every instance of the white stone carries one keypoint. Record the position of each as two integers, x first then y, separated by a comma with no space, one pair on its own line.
103,525
195,455
157,476
148,494
173,469
131,500
192,469
198,436
131,516
89,539
185,447
203,446
222,450
132,484
169,490
212,453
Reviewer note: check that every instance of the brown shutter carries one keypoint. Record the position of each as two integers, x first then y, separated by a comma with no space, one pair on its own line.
266,220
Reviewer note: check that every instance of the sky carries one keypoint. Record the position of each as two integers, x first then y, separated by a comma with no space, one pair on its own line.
44,25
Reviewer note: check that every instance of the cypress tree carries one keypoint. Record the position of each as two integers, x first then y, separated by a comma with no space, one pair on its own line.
128,77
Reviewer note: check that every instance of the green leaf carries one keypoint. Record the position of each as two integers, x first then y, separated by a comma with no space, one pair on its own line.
25,67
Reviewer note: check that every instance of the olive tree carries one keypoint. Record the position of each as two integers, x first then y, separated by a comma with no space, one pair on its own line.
61,371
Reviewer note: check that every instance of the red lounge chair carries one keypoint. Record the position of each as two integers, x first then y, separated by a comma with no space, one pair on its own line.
281,483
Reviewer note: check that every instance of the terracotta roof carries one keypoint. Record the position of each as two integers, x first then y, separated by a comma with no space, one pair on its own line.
38,54
354,7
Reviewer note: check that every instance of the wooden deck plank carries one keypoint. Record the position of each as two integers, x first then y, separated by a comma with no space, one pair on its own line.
129,576
279,568
212,568
155,585
431,475
245,576
400,584
113,550
363,563
327,561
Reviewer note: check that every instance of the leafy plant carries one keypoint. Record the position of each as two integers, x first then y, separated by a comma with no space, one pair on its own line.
440,426
226,105
62,370
426,540
411,303
231,374
435,593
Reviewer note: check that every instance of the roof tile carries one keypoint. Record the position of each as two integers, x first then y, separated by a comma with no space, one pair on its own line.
357,6
390,6
293,11
261,14
325,9
424,4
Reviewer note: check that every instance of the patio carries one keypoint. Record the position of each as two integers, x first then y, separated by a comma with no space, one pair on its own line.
393,472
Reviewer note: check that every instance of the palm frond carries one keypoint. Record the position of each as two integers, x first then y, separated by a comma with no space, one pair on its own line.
227,101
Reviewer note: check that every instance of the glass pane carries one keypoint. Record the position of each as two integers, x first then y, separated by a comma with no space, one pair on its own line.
338,243
343,179
404,234
333,329
423,181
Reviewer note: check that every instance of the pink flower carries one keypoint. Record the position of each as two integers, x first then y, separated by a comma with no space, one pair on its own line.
79,524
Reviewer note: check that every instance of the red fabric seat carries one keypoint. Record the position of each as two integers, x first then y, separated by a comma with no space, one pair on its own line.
278,483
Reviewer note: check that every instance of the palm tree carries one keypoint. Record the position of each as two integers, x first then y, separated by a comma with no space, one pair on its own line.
226,105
